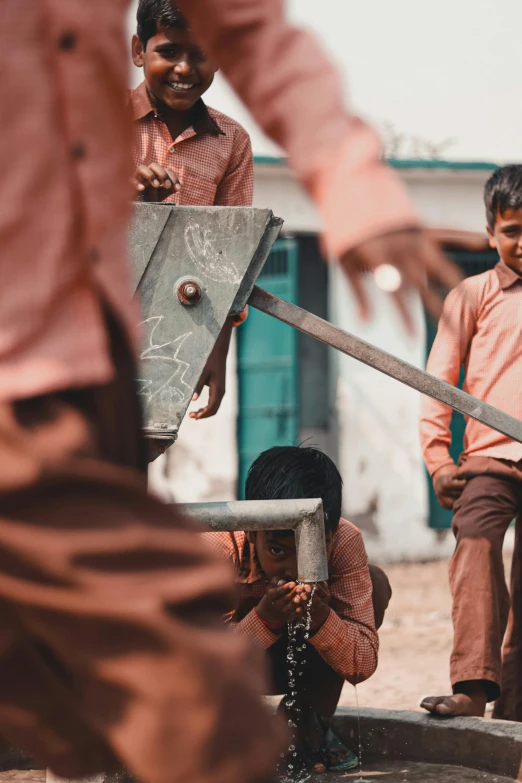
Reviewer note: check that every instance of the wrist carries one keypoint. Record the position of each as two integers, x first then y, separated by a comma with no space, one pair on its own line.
271,623
319,621
443,470
275,627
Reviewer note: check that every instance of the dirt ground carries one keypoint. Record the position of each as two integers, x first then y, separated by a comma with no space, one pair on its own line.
415,640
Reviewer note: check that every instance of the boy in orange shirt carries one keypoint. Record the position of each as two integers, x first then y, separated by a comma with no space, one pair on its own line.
481,331
345,611
185,152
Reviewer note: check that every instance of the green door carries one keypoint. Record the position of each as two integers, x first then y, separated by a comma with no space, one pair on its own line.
268,367
471,264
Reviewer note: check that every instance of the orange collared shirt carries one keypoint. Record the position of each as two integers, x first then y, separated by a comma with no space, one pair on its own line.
481,330
347,641
212,158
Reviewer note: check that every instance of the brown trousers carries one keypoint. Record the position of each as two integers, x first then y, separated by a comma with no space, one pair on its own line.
112,648
491,499
320,686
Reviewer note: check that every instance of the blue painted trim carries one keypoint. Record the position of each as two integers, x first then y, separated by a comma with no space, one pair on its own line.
458,165
407,163
267,160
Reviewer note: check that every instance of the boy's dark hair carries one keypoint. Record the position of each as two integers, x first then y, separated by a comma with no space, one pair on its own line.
503,191
292,472
153,14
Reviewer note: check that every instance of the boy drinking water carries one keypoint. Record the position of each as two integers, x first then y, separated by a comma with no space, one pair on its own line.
345,611
481,331
185,152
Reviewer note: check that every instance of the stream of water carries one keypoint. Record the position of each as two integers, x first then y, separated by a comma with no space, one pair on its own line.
359,740
298,635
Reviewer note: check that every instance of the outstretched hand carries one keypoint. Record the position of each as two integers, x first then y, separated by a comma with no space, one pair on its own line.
416,255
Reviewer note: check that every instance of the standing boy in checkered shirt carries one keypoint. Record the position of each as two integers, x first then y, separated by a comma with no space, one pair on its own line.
345,611
185,152
481,331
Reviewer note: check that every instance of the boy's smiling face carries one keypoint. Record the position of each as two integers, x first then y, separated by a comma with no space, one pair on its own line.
177,71
506,237
277,554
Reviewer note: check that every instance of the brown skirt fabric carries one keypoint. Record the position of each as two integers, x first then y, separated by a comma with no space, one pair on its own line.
112,651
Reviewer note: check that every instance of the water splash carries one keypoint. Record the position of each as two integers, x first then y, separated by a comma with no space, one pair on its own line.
298,636
358,727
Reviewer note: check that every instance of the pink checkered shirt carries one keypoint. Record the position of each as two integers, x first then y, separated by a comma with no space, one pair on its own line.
347,641
213,158
481,330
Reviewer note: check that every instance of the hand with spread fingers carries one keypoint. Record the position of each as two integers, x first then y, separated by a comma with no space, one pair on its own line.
418,262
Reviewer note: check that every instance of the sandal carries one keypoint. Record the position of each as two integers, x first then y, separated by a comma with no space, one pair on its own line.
338,757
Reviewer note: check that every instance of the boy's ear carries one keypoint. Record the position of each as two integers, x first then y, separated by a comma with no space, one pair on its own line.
137,51
492,240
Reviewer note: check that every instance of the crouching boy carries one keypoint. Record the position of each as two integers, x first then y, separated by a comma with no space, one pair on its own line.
345,611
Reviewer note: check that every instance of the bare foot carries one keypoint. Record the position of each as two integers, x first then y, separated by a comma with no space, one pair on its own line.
458,704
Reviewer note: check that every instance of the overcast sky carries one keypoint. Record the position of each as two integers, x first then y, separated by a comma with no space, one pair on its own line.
446,69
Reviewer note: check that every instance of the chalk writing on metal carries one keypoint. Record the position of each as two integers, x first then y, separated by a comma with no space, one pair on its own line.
167,351
205,254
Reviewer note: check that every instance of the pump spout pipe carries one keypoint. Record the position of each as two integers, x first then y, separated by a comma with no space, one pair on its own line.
305,517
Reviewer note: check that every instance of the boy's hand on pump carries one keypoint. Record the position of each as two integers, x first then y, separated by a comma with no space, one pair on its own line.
155,183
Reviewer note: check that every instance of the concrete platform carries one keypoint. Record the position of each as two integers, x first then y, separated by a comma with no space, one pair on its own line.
479,745
397,747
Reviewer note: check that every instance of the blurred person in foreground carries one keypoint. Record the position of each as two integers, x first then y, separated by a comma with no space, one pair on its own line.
481,331
112,651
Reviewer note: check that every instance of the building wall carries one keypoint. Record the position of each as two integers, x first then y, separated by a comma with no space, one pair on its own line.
376,417
444,196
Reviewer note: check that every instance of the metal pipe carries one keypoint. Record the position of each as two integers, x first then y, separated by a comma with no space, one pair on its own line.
406,373
304,516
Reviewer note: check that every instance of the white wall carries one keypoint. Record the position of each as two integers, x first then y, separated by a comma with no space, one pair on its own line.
444,197
379,453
